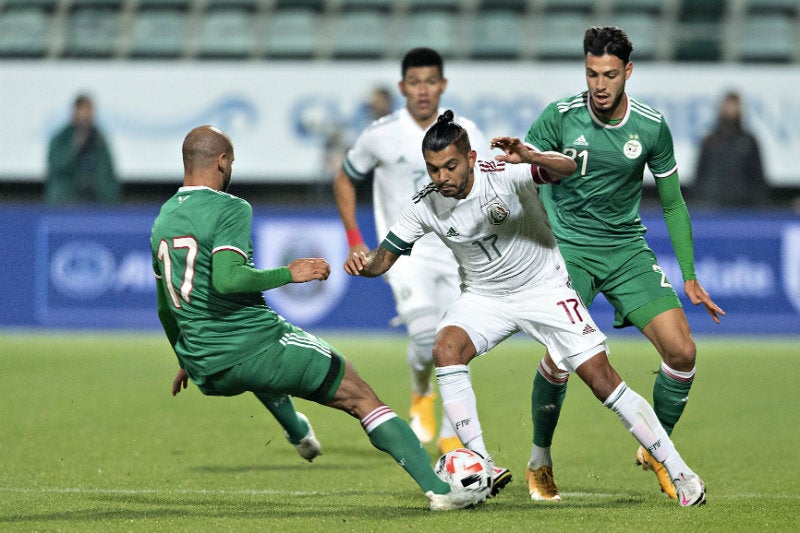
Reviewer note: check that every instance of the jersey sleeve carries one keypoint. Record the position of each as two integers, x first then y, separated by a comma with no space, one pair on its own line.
662,160
405,232
233,228
545,133
360,159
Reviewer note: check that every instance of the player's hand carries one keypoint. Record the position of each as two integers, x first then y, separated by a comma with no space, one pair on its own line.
698,295
181,381
355,263
515,150
309,268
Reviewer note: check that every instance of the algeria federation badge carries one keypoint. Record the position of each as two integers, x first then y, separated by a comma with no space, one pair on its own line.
498,213
632,149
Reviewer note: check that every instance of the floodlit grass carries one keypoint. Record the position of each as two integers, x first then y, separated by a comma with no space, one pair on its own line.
92,441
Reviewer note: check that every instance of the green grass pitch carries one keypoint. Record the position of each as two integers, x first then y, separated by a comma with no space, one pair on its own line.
92,441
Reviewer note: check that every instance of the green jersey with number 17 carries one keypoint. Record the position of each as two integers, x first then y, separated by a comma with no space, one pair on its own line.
600,201
217,331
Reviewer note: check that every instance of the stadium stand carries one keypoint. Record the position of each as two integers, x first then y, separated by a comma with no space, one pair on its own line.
666,30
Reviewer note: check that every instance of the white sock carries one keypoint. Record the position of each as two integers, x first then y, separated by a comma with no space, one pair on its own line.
460,404
422,330
639,418
540,457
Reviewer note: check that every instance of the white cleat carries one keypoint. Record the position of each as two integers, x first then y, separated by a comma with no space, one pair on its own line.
690,490
308,447
456,499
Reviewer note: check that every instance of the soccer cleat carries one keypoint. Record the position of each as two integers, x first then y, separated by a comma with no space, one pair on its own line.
648,462
500,478
448,444
690,489
455,499
308,447
423,420
541,484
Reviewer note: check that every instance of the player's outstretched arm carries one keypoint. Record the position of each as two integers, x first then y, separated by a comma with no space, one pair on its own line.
309,268
345,193
370,265
698,295
556,164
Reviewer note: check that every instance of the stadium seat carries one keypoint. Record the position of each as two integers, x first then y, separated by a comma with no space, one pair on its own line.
158,33
46,4
766,38
92,33
360,34
226,33
642,30
183,4
292,33
432,28
497,34
24,32
560,35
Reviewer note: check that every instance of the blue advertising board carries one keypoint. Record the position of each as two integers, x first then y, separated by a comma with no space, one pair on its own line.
90,268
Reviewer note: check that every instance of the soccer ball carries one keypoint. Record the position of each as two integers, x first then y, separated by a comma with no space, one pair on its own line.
464,469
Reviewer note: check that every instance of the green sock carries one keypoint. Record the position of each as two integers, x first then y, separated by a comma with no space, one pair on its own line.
669,399
395,438
546,402
282,408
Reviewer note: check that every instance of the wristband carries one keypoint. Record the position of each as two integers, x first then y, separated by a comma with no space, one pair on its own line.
354,237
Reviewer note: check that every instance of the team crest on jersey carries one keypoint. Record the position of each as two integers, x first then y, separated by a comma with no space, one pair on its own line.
497,212
632,149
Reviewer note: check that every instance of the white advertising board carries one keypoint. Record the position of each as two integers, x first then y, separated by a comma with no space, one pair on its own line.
279,113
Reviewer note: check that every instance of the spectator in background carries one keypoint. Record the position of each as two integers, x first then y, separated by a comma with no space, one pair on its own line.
379,103
79,163
729,172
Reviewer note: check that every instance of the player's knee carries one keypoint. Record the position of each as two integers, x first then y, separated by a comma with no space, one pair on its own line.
681,355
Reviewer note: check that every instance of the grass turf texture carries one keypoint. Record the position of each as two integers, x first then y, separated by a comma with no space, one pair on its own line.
91,441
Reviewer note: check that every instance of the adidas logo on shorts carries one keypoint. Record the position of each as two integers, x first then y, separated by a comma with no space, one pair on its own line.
588,329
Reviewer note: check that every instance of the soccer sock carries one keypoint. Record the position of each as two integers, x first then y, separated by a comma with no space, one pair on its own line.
460,404
549,390
422,330
447,430
392,435
639,418
282,408
670,394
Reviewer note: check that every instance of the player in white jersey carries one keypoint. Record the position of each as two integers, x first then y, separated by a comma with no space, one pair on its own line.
514,279
427,281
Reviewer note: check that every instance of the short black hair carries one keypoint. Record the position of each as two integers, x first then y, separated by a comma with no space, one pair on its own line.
422,57
607,40
444,133
82,98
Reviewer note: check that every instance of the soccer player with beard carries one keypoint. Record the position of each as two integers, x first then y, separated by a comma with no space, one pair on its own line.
514,279
595,217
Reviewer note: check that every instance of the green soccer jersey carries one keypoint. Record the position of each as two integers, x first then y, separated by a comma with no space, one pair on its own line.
600,201
217,330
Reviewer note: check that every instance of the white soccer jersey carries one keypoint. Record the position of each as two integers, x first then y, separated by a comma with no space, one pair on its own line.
392,147
499,233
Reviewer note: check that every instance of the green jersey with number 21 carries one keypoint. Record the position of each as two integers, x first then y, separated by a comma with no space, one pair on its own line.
600,201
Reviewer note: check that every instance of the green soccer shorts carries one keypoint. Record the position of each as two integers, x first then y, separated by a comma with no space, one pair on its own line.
299,365
628,276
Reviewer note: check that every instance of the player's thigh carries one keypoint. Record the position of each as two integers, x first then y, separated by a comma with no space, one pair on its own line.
553,313
639,290
487,320
301,365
